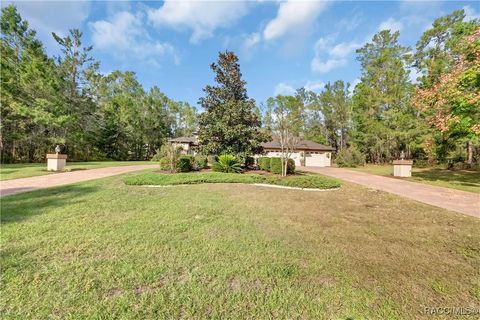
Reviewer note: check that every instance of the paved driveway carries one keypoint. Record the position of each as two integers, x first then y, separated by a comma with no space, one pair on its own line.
460,201
14,186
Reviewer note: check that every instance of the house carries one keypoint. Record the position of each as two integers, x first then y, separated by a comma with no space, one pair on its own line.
188,145
307,153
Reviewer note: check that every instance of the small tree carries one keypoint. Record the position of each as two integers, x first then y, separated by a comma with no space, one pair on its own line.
286,114
171,153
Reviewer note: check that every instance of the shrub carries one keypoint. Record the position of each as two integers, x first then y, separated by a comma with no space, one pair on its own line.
226,163
350,157
201,162
244,159
157,156
264,163
164,164
171,154
308,181
276,166
185,164
211,160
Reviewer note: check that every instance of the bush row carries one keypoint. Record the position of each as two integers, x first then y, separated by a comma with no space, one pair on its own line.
274,164
301,181
185,163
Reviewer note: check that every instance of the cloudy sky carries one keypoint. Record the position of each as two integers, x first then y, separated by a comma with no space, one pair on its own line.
282,45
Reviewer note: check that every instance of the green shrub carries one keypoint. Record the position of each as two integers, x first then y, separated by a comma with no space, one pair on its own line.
211,160
185,164
164,164
350,157
201,162
153,178
276,165
227,163
244,159
310,181
303,181
264,163
158,156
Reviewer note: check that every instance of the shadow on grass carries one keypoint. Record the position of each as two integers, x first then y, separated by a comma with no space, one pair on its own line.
460,177
25,205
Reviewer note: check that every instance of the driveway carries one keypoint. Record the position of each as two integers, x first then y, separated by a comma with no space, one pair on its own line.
14,186
460,201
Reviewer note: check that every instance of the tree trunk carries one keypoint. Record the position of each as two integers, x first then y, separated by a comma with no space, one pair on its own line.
469,152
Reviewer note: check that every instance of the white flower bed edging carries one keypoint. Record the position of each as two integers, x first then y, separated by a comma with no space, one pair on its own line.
292,188
249,184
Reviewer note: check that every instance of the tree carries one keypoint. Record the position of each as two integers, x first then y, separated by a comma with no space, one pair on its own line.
286,113
335,105
77,68
32,111
229,123
384,121
452,103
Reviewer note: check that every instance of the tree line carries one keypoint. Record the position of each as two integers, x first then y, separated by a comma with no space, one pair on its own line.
434,119
49,100
66,100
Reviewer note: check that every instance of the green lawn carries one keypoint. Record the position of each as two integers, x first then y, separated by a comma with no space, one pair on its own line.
24,170
458,179
102,249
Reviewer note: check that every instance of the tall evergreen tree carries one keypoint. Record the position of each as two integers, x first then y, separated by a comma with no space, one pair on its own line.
229,123
383,119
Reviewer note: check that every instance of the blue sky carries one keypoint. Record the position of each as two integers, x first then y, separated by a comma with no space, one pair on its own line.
282,45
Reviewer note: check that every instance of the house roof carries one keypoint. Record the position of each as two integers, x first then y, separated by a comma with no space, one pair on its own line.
190,140
302,145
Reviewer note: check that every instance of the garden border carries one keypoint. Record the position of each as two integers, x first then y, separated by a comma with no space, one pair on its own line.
247,184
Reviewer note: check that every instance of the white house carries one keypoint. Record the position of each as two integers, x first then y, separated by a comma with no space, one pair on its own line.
307,153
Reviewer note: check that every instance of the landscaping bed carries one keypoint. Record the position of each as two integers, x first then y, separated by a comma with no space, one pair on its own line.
300,181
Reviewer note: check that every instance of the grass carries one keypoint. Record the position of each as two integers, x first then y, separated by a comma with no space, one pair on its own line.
153,178
24,170
464,180
103,249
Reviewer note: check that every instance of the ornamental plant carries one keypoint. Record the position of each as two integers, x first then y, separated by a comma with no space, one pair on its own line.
226,163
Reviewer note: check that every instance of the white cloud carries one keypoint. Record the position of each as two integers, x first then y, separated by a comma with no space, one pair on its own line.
125,36
284,89
52,16
251,41
315,86
328,57
202,17
326,66
471,13
343,49
391,24
350,23
293,16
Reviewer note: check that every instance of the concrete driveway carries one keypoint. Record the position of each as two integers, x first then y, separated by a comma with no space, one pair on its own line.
15,186
460,201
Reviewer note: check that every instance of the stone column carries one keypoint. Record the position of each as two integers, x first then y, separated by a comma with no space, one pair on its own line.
56,161
402,168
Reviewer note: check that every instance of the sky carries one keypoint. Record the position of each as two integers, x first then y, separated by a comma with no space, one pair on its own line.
282,45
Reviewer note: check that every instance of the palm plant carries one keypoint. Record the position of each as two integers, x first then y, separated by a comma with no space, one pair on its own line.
226,163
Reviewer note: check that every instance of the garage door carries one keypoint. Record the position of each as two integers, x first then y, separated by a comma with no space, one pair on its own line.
317,160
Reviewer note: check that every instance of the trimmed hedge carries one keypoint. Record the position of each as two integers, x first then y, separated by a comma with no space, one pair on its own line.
201,162
185,164
264,163
303,181
276,166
